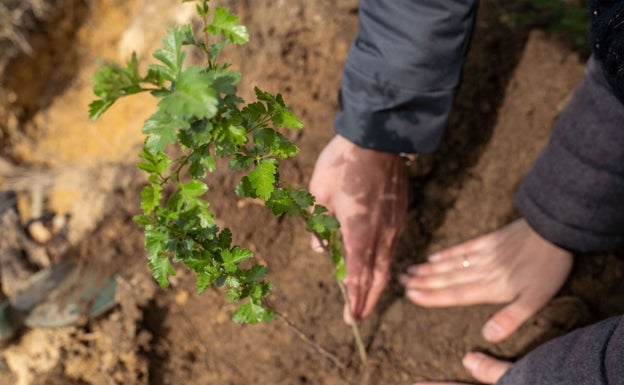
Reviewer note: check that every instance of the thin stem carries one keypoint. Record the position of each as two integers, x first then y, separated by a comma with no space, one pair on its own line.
319,349
343,291
354,327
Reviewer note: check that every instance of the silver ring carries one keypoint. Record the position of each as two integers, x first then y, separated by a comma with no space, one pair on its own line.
465,262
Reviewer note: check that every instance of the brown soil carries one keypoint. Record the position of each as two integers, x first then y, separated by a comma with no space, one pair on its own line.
515,83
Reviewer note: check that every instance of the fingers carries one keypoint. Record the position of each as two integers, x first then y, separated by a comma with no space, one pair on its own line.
469,247
459,295
508,319
485,368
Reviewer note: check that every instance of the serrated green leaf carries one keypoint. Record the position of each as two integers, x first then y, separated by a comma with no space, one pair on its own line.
150,198
284,117
162,130
302,198
226,24
322,224
236,255
98,107
234,294
154,163
255,273
240,162
206,278
263,178
260,290
225,238
237,134
252,313
193,96
264,137
253,112
280,202
193,189
283,148
200,162
161,269
154,241
158,74
171,55
245,189
224,81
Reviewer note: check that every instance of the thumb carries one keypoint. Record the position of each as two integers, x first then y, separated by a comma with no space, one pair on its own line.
485,368
507,320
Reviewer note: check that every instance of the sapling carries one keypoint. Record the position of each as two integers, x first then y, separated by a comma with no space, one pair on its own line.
200,117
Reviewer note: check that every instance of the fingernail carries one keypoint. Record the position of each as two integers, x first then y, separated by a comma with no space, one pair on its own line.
492,331
471,361
434,257
404,279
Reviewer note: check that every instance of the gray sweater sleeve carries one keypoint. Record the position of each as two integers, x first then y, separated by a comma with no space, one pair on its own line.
591,356
402,71
574,194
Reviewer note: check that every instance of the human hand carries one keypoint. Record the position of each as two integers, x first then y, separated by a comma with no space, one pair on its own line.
483,368
366,191
513,264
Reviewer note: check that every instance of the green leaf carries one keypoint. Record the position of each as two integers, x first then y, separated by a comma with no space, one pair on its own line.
321,223
224,81
225,238
252,313
245,189
161,269
236,255
240,162
255,273
171,55
193,96
253,112
264,137
281,116
237,134
206,278
193,189
201,161
302,198
283,148
154,163
162,130
284,117
263,178
98,107
157,74
281,202
150,198
226,24
154,241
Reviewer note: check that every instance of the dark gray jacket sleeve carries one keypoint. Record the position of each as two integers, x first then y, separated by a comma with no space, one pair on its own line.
574,194
402,71
590,356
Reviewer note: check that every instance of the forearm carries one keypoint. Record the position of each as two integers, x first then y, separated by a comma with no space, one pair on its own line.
402,72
